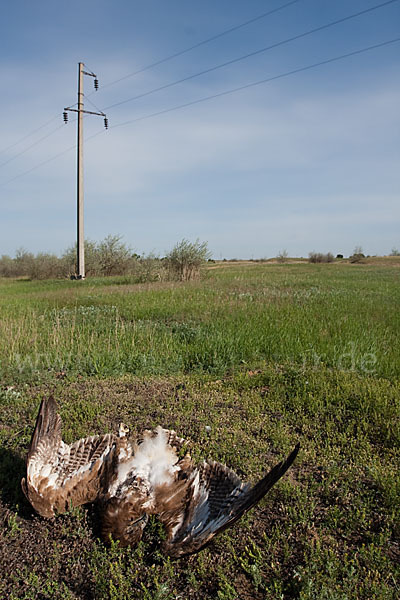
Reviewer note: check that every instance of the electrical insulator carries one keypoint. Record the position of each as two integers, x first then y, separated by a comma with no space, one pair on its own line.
65,115
96,84
106,122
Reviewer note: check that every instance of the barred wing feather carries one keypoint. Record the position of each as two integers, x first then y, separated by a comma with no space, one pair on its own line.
59,475
215,499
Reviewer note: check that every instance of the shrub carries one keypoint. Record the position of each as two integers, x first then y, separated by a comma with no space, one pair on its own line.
7,266
108,257
319,257
149,268
395,252
282,256
357,258
186,258
45,266
114,256
358,255
26,264
92,266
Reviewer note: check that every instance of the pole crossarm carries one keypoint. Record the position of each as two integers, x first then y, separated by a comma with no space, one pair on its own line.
88,112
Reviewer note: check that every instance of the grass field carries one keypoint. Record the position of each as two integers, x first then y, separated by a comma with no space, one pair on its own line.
265,355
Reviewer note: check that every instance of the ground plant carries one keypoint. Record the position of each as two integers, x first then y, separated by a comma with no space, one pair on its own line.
244,362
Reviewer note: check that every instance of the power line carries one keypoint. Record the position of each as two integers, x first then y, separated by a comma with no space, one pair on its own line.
205,71
282,42
45,162
40,139
32,145
202,43
29,134
261,50
220,94
92,103
259,82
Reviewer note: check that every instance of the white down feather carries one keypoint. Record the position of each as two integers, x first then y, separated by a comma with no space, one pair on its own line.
153,462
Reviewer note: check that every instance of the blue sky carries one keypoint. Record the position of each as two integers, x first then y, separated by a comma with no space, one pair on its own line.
306,162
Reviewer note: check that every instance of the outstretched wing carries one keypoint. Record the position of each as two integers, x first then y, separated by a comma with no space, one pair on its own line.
214,500
58,475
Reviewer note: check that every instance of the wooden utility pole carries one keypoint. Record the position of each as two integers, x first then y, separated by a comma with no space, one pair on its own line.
80,213
79,195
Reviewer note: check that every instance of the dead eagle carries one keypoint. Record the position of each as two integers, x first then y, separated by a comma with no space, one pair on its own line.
132,481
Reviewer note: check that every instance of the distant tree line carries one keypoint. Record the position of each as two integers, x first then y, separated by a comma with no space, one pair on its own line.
319,257
358,256
110,256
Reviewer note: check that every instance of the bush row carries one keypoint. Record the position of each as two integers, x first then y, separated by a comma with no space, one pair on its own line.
319,257
111,256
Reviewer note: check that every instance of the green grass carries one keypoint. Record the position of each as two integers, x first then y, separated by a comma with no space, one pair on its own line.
341,316
244,363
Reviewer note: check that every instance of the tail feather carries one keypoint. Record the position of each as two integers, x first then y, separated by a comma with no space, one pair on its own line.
197,530
48,422
260,489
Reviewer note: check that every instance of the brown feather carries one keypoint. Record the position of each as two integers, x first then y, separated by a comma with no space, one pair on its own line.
61,476
130,483
123,520
227,500
47,426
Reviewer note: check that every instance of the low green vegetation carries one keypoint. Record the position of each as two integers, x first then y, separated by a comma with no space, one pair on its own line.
245,362
340,316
